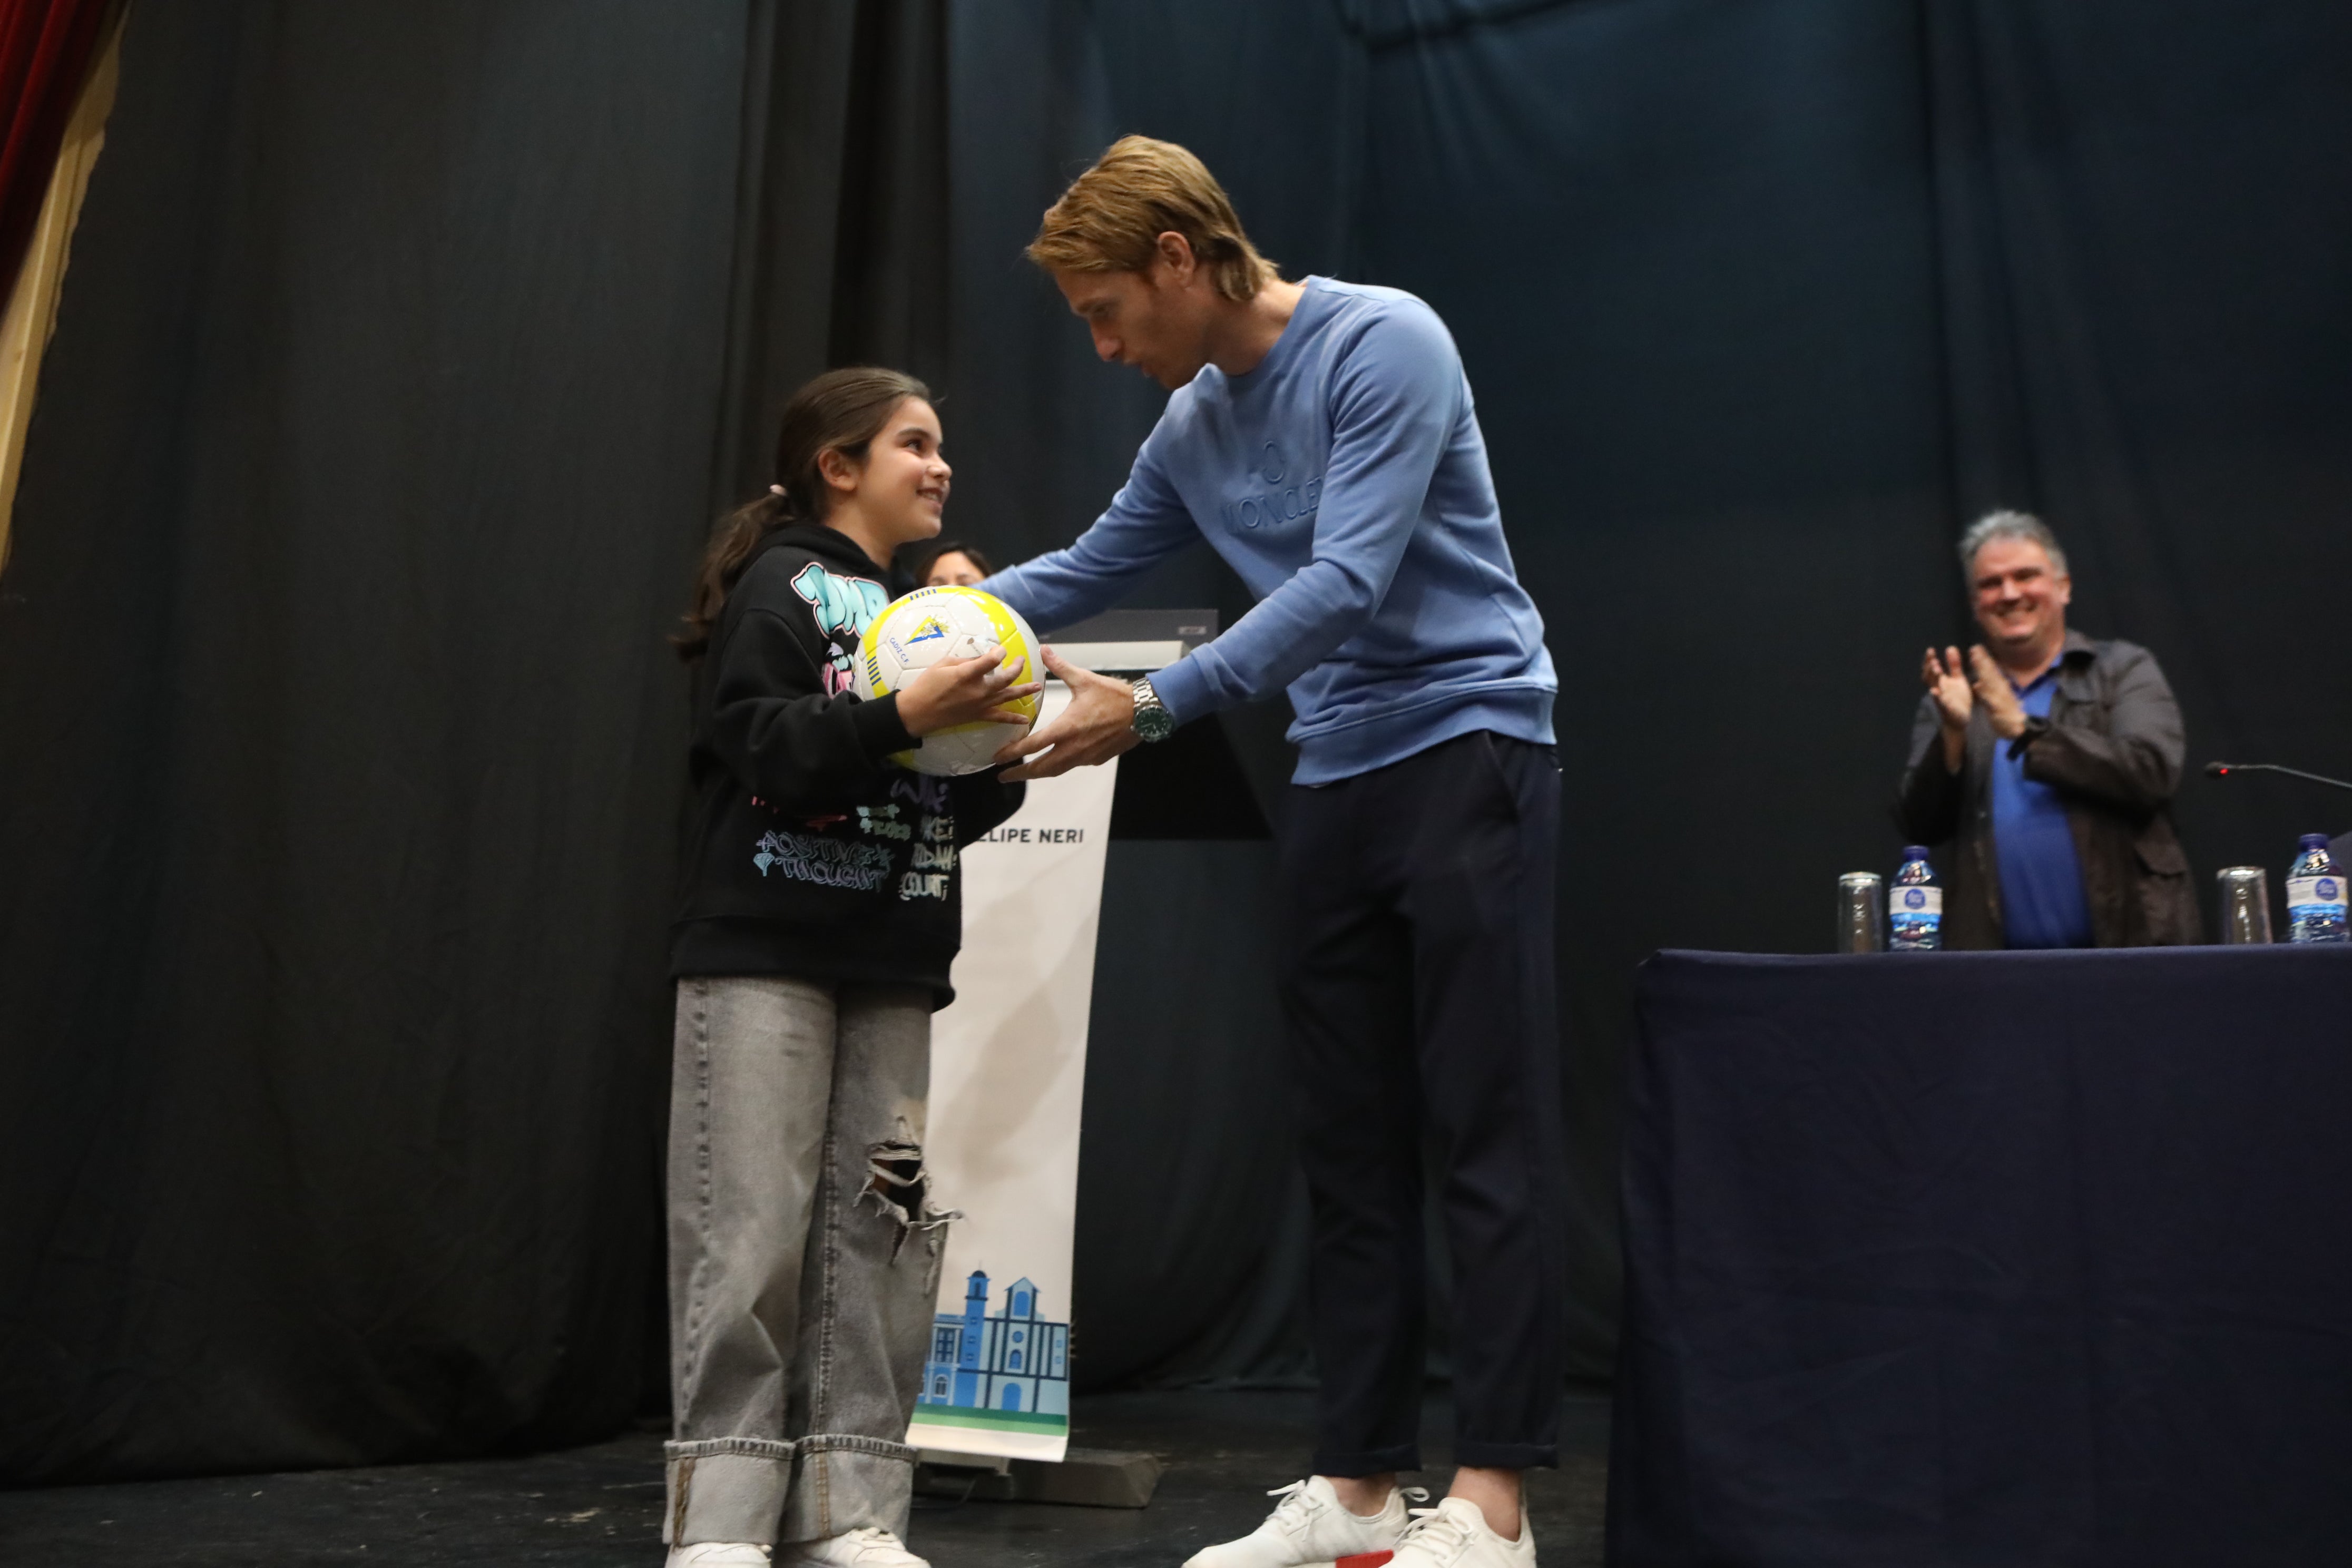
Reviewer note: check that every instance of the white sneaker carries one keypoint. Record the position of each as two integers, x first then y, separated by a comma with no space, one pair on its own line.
868,1548
1310,1528
718,1554
1454,1534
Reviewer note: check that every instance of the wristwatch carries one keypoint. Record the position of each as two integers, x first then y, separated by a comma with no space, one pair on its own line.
1152,719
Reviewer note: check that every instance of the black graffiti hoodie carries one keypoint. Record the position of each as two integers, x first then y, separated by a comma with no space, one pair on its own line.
809,853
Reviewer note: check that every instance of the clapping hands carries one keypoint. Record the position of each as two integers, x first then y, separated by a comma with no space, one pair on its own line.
1959,686
1947,682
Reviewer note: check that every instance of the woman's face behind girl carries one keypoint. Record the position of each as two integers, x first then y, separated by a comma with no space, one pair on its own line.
953,568
897,492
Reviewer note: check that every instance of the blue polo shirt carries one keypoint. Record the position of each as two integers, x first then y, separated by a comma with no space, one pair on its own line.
2041,902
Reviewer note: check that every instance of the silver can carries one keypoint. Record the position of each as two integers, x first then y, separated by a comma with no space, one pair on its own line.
1862,912
2245,903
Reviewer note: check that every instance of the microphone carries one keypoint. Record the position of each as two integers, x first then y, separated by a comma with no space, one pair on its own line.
2223,770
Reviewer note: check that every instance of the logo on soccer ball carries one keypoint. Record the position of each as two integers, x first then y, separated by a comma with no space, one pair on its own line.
1915,899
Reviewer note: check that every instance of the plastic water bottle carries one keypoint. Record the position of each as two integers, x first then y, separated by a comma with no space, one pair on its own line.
2315,894
1915,905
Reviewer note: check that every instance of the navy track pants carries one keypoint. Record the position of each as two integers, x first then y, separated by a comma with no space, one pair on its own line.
1417,981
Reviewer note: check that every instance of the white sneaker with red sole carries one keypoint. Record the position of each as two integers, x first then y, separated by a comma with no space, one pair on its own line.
1454,1534
1310,1528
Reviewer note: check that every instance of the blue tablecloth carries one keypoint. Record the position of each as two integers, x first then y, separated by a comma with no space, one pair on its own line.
1989,1258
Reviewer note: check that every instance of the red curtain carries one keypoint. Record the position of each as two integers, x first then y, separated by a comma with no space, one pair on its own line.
45,53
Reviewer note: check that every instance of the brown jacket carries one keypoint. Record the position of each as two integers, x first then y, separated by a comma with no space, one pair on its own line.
2113,748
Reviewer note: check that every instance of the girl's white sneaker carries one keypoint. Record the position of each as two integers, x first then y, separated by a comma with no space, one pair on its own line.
868,1548
1454,1534
718,1554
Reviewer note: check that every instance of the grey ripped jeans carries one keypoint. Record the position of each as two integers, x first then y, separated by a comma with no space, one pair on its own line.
804,1256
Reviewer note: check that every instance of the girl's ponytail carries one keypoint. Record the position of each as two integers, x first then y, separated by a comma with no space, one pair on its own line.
840,411
730,549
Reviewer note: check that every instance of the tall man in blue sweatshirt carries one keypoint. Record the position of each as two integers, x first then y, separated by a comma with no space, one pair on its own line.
1320,437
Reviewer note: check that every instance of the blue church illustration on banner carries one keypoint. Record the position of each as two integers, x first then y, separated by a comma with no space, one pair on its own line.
1011,1370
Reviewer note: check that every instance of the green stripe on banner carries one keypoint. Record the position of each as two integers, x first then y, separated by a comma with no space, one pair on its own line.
1007,1420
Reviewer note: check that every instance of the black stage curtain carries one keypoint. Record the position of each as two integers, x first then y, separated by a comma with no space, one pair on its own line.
408,349
342,756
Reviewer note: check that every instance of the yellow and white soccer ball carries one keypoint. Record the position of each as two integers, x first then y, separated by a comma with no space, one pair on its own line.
933,623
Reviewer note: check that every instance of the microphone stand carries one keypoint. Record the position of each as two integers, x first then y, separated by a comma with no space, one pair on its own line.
2223,770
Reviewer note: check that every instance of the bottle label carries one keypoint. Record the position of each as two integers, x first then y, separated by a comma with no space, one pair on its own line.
2317,894
1914,903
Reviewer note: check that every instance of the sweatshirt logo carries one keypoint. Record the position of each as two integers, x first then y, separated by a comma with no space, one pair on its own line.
1273,507
842,607
828,862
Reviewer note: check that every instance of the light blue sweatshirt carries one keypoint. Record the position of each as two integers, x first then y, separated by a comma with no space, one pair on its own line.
1346,480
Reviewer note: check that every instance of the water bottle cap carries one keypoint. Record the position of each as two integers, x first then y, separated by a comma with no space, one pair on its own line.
2310,841
1919,852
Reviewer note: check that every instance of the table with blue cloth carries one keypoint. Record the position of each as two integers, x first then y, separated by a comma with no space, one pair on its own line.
2012,1259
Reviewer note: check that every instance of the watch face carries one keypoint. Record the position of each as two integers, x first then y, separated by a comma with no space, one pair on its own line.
1155,722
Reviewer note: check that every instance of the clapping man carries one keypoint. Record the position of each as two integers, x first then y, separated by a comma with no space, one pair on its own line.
2047,762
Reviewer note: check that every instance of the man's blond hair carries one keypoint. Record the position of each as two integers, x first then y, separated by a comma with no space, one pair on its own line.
1111,218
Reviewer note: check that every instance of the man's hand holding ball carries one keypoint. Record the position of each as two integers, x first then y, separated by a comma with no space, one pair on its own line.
1097,725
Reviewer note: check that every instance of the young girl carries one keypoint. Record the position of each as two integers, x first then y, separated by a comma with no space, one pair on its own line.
809,954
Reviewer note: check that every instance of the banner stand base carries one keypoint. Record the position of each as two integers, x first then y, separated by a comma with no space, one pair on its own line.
943,1460
1087,1478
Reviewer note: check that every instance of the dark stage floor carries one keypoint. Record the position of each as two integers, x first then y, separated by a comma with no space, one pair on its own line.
601,1506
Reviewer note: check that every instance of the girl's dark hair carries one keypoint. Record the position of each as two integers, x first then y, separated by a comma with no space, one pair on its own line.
840,411
928,557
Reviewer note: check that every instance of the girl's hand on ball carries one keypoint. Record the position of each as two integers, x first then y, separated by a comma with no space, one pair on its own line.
965,691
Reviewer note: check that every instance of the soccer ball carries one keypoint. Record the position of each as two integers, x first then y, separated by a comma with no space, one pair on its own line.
933,623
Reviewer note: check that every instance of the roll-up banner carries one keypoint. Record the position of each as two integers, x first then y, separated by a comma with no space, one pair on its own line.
1008,1074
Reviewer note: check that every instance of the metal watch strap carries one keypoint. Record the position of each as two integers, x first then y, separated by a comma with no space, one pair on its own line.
1152,719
